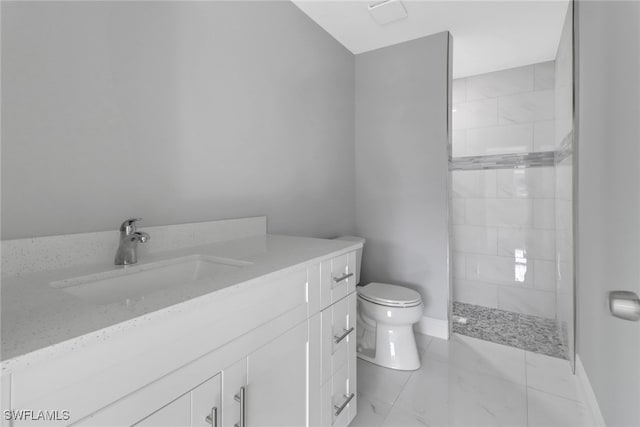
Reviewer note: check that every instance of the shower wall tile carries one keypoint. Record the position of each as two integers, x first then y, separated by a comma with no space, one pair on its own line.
564,181
544,136
527,301
459,91
476,240
564,243
564,276
544,75
459,142
459,265
500,83
466,184
526,183
475,114
478,293
564,220
522,95
527,107
538,244
563,128
503,270
499,212
544,213
564,87
457,211
499,140
544,273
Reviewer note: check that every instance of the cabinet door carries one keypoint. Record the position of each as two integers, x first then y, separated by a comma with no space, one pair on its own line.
176,413
206,402
277,390
190,409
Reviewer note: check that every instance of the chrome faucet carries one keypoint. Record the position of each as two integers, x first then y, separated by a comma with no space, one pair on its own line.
129,238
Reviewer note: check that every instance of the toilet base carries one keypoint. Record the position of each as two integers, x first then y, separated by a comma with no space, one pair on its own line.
389,339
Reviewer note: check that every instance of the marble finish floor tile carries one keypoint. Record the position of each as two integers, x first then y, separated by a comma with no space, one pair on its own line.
402,418
546,410
442,394
422,342
551,375
469,382
371,412
531,333
381,384
480,357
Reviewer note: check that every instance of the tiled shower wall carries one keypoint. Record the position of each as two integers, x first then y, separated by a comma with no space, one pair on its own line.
504,219
509,111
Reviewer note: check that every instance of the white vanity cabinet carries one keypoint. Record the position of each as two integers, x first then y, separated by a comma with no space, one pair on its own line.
274,351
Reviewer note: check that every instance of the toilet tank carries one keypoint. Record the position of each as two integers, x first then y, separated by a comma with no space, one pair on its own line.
358,253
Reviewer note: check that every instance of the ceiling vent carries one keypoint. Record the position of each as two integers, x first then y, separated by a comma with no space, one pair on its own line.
387,11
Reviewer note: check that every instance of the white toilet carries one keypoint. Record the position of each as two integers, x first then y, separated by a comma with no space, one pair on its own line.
386,314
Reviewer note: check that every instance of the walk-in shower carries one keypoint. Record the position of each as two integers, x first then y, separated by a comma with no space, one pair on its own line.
511,205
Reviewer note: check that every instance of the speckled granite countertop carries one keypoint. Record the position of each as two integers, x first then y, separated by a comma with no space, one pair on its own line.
39,320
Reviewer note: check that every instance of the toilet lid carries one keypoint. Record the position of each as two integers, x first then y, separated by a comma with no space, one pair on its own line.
390,295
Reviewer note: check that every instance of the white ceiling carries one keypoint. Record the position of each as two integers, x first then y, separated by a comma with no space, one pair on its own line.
487,35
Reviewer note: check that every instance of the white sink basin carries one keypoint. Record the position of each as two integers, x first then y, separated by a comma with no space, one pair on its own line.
131,283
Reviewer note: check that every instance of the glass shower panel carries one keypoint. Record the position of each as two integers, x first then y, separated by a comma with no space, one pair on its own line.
565,288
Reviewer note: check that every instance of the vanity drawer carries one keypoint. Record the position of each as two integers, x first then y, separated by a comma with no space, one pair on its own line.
339,398
338,336
337,278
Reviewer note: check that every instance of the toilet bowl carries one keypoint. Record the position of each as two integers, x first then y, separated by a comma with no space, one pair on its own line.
386,314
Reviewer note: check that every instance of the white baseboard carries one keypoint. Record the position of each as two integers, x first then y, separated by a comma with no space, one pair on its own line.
433,327
588,394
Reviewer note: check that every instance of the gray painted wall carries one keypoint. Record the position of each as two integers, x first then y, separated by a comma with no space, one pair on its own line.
401,167
175,112
609,201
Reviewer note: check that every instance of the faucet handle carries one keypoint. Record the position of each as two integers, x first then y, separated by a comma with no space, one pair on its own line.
129,226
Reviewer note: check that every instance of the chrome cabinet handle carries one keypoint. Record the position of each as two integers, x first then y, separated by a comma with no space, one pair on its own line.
340,408
212,418
241,398
343,336
624,305
344,277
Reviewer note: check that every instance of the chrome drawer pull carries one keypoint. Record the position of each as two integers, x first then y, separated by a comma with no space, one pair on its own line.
343,336
344,404
213,417
241,397
344,277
